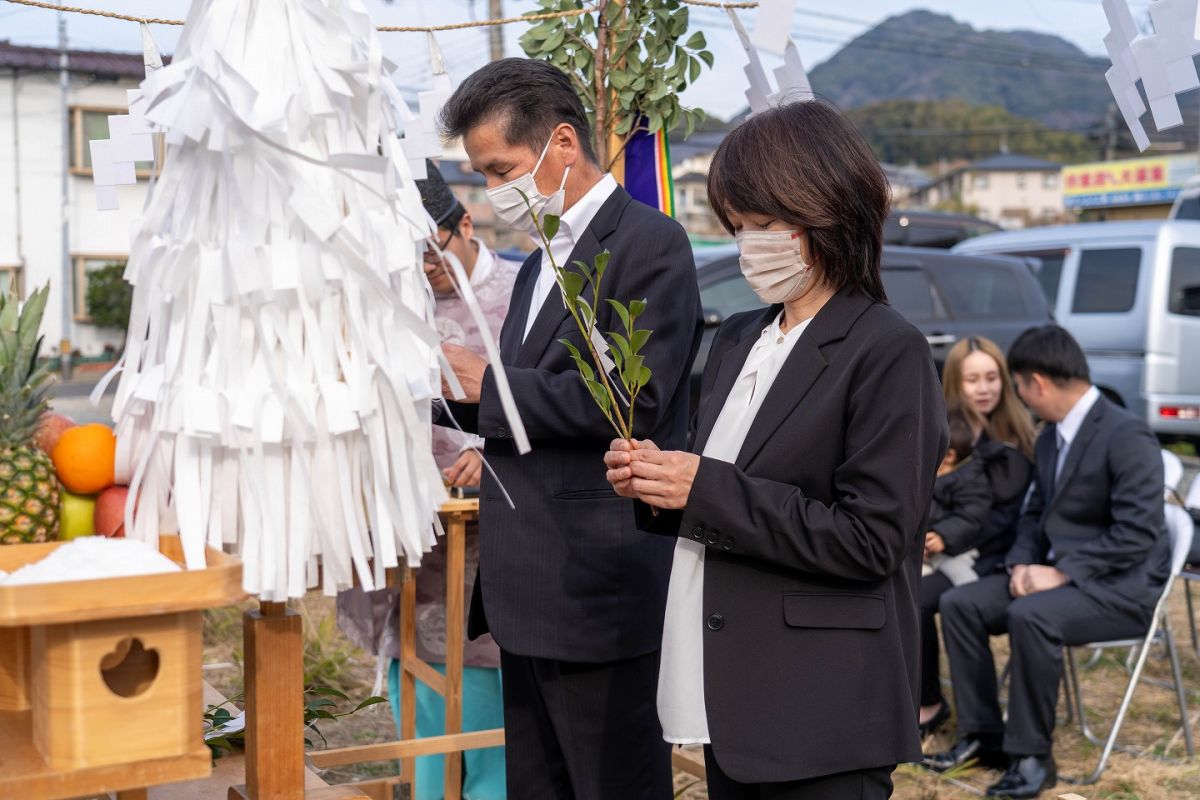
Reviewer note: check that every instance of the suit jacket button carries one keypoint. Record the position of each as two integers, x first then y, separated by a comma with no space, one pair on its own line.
713,538
715,622
698,534
727,545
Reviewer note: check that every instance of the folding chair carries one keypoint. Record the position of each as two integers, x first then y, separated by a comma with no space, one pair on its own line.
1180,530
1191,568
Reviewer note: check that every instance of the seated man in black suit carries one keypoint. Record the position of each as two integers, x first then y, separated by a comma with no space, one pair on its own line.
1088,565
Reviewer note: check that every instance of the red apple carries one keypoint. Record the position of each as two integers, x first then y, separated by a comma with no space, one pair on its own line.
109,518
50,428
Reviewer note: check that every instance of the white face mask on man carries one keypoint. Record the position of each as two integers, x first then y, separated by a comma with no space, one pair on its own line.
773,264
510,206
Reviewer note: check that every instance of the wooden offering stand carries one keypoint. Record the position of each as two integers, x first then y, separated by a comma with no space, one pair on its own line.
100,679
274,685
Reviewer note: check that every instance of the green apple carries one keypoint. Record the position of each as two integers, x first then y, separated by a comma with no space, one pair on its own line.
76,516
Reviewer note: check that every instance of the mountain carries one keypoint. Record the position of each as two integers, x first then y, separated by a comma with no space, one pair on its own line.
921,55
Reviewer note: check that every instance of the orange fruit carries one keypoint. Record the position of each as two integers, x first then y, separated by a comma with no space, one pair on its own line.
85,457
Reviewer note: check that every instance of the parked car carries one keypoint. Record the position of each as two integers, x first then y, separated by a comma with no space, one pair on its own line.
947,296
1130,293
915,228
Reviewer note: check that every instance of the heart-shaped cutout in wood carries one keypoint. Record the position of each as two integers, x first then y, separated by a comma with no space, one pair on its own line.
130,669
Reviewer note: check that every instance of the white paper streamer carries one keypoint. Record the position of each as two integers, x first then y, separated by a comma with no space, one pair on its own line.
1162,60
277,385
790,77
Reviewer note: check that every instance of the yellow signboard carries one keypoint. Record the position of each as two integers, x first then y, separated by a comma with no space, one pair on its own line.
1132,181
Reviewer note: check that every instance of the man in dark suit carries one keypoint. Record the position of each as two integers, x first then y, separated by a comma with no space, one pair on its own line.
567,585
1088,565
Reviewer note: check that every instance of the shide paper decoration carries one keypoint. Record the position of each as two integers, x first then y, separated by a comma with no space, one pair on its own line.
1162,60
276,387
130,138
772,32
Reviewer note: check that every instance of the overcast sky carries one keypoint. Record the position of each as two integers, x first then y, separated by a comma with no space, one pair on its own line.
821,27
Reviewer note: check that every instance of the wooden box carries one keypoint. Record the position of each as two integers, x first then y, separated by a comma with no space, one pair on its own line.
100,685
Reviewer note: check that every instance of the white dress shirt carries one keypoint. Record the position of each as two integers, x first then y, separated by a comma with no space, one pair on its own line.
571,226
1068,428
681,675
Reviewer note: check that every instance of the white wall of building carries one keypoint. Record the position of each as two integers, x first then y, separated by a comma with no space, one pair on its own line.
1014,199
31,148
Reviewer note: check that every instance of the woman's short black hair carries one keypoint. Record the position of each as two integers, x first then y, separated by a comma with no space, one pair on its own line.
1048,350
528,98
806,164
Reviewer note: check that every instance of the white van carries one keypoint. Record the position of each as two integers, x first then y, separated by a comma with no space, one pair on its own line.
1130,293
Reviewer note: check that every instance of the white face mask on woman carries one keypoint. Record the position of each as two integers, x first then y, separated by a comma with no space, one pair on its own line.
509,206
773,264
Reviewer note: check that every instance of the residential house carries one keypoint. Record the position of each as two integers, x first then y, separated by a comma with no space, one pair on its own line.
1011,190
31,181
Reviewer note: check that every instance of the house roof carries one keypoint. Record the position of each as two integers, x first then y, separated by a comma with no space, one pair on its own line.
90,62
1013,162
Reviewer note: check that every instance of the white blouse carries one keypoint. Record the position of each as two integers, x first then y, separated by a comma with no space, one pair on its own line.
681,674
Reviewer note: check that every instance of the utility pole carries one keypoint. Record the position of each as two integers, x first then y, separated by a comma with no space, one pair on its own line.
496,32
1110,132
65,283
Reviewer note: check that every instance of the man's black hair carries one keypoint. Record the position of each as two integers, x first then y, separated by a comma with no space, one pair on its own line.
1048,350
528,99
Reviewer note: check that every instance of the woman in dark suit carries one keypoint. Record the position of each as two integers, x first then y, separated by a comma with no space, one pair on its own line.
790,648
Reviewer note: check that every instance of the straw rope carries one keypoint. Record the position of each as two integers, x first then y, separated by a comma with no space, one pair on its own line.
98,12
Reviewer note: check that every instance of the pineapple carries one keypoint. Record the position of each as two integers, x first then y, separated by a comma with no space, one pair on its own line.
28,485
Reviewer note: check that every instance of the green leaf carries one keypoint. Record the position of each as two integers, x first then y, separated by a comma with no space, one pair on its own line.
696,41
631,370
370,701
602,262
329,691
644,375
599,394
638,340
622,312
585,369
572,284
637,308
549,225
585,311
693,69
707,57
622,344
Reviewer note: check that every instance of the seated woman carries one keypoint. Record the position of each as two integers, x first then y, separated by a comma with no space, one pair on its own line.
975,378
790,643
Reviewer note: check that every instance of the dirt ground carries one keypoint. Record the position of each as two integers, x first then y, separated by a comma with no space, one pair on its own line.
1159,773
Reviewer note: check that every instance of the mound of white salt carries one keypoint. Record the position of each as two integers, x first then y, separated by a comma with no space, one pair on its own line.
92,557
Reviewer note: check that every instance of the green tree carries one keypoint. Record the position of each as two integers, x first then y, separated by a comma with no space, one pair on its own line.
628,60
109,297
923,131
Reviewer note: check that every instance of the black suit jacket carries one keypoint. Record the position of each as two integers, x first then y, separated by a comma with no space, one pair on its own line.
567,574
814,542
1102,520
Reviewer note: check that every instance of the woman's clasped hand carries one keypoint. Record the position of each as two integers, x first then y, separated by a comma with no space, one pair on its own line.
662,479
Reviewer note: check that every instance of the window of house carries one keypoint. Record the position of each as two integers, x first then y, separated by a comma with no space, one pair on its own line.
1020,180
84,265
980,182
1107,281
88,123
1050,180
10,279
